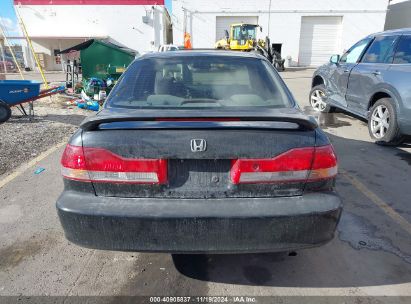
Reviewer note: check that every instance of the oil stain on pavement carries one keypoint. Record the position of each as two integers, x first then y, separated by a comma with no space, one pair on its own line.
328,120
361,234
331,120
13,255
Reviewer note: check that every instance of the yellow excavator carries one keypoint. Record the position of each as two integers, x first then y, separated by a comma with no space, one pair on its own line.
243,37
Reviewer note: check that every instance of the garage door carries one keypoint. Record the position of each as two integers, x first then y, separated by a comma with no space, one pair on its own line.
319,39
223,23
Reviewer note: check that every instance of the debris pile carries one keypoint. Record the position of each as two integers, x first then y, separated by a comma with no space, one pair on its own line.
90,94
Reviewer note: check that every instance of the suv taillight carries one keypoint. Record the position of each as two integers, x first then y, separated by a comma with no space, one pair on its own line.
100,165
295,165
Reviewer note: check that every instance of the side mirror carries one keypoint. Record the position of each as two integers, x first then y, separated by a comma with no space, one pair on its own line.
335,59
226,34
261,29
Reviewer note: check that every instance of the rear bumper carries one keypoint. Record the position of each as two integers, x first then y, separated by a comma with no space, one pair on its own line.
199,226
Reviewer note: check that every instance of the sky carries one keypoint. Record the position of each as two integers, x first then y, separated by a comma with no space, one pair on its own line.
168,4
8,17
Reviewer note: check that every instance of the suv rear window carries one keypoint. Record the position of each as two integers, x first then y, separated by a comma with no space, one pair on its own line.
381,50
199,81
403,53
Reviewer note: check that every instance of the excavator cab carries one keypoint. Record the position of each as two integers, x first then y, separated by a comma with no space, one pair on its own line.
243,36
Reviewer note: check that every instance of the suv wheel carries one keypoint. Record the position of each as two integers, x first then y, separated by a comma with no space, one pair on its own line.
383,124
5,112
316,99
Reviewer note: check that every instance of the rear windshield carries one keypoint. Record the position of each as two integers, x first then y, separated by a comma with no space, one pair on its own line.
199,81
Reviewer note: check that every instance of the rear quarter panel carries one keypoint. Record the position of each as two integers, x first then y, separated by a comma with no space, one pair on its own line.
398,85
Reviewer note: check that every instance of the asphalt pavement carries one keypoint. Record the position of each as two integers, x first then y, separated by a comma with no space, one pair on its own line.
369,257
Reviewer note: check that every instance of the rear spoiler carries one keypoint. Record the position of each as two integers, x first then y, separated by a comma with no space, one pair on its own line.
197,120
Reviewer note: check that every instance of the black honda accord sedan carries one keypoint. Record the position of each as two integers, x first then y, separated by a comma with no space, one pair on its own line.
199,152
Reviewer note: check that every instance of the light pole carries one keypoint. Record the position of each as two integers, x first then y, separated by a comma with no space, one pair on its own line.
269,18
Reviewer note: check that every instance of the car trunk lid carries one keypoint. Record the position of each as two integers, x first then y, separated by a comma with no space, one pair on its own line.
198,157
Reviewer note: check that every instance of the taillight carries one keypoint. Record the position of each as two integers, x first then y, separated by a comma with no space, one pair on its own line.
295,165
100,165
73,163
325,164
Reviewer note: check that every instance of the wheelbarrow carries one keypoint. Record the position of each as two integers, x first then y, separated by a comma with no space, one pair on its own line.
17,92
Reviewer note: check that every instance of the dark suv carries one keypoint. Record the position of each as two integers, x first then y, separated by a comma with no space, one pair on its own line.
371,80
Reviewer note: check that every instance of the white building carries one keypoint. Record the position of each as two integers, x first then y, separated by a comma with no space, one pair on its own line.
54,25
309,30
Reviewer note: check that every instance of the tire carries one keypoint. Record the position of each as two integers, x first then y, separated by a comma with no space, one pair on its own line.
316,102
278,66
5,112
383,123
277,61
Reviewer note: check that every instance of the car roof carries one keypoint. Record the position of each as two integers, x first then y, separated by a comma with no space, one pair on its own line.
201,52
401,31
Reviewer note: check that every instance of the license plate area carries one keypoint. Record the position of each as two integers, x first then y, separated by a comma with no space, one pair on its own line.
201,176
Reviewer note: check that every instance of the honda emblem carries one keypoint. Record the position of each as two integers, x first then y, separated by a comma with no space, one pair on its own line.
198,145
